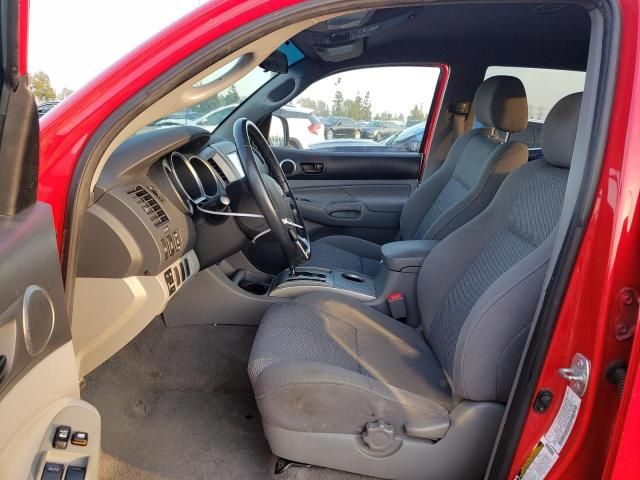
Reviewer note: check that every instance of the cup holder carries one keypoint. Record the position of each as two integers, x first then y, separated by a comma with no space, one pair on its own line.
352,277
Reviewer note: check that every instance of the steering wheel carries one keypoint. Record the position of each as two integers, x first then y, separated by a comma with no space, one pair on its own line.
270,189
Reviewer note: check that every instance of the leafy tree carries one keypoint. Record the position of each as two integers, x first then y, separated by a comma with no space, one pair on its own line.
383,116
338,104
417,113
365,111
208,105
322,108
64,93
232,96
40,85
350,109
319,107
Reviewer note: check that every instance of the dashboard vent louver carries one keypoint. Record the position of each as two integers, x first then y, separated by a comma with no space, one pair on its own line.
150,206
219,171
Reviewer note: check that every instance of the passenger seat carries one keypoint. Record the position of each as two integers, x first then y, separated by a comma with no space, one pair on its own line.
464,185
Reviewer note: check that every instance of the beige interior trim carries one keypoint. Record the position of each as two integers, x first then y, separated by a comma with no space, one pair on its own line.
188,94
109,312
28,412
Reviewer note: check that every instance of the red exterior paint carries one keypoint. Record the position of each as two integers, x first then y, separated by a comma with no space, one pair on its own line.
608,261
23,36
66,129
434,113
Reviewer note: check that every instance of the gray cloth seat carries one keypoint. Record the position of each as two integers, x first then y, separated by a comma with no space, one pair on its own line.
474,168
324,367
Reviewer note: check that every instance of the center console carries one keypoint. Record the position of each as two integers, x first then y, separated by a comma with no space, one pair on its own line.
291,283
244,294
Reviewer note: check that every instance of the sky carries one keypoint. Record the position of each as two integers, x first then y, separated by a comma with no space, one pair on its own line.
75,40
391,89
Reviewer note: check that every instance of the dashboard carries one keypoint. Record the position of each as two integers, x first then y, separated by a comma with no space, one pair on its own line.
141,219
141,240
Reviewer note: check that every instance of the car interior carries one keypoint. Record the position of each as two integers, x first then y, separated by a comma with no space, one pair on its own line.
240,308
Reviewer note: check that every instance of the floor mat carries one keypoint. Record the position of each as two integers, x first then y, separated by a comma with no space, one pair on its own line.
177,404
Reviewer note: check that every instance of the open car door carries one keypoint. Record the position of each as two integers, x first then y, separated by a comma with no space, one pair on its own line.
47,431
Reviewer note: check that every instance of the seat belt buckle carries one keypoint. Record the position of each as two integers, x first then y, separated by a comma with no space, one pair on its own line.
397,306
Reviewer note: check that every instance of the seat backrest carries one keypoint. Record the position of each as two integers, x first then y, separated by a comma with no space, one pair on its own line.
475,166
479,288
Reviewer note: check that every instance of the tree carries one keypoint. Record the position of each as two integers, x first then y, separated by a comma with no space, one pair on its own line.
208,105
40,85
417,113
319,107
366,107
322,109
64,93
338,107
232,96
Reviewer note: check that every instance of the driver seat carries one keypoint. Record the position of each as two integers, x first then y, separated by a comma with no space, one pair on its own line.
344,386
459,190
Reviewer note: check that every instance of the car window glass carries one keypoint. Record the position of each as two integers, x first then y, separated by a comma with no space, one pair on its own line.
357,110
212,111
544,88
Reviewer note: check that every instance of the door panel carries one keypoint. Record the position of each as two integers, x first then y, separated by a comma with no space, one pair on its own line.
352,192
348,205
368,209
39,381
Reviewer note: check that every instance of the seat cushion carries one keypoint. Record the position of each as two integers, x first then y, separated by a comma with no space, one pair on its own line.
346,253
328,363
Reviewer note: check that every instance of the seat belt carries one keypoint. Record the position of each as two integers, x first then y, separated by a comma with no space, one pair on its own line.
459,113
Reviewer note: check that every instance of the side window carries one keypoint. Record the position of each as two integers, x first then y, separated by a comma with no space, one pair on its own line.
544,88
370,108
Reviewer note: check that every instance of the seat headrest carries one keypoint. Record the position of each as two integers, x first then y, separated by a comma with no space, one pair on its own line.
559,131
501,102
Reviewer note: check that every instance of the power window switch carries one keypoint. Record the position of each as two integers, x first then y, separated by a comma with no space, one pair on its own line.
75,473
61,437
80,439
52,471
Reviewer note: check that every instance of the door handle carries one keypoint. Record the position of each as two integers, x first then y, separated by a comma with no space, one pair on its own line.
314,168
343,207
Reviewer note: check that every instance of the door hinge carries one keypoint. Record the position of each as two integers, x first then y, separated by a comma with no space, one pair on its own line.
625,324
577,374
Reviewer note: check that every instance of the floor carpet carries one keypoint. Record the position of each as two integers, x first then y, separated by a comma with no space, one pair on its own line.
177,404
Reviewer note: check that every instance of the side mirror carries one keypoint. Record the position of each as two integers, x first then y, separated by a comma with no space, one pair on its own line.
278,131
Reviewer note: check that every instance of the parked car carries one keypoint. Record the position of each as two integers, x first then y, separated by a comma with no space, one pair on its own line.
208,121
408,139
379,130
341,127
45,107
344,144
212,119
304,127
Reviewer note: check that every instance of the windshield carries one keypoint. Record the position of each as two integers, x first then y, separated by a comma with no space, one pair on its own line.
212,111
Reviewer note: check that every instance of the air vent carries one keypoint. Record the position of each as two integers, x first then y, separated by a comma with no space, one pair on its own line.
150,206
219,171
